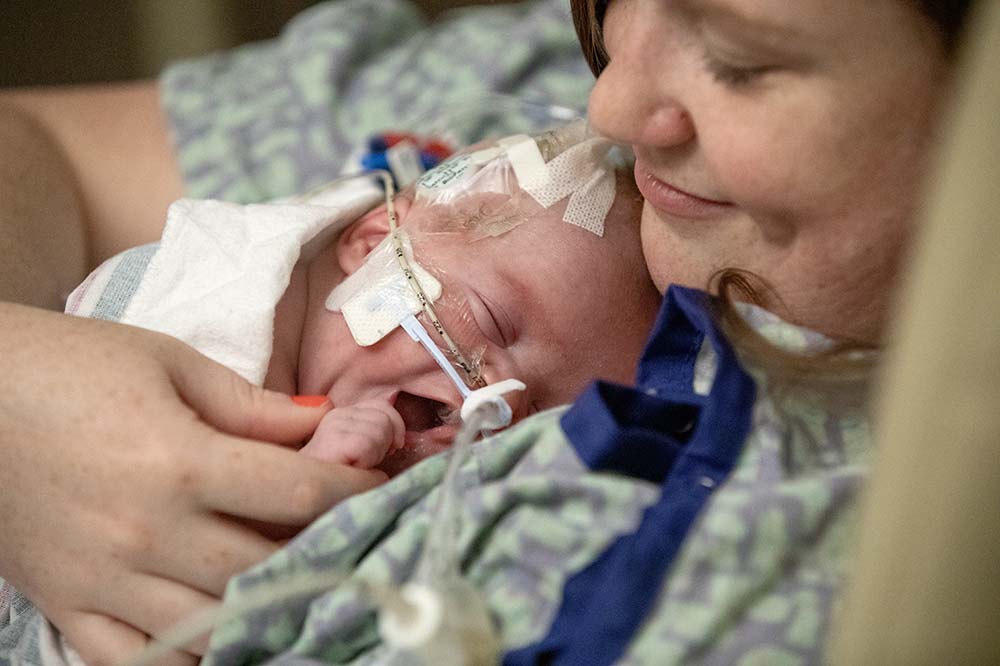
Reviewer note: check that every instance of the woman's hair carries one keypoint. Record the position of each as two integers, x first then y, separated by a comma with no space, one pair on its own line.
947,15
587,19
842,371
838,376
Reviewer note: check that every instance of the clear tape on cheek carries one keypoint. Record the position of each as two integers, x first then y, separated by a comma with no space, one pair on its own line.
457,317
376,298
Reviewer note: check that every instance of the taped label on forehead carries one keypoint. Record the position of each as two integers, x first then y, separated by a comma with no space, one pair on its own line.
451,172
446,173
376,298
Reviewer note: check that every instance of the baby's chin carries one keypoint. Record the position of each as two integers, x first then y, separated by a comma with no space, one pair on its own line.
415,450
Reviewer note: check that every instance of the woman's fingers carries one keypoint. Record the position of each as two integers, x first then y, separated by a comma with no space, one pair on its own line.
232,405
208,552
275,485
174,603
103,641
124,477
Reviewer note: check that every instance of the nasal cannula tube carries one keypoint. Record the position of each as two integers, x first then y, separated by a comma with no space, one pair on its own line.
419,334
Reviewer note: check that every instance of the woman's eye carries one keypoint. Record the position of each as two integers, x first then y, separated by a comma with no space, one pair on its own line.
734,75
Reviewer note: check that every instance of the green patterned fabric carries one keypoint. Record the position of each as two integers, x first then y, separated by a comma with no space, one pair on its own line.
273,119
755,583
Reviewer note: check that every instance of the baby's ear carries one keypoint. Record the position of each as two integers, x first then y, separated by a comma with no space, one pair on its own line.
360,238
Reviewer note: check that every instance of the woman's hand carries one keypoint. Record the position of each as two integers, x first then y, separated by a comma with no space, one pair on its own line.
131,469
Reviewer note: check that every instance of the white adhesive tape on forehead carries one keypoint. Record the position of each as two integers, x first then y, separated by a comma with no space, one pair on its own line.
580,172
376,298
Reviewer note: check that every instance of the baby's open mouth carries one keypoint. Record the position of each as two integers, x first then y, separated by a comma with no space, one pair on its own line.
430,429
421,414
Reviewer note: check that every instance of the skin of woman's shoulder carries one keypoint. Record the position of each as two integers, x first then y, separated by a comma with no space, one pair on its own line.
114,139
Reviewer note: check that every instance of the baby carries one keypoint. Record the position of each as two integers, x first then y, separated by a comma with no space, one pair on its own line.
523,294
519,292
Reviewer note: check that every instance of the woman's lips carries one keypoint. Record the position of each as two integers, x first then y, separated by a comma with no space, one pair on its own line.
668,199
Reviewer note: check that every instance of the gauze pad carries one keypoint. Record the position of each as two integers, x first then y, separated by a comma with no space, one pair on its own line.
221,269
376,298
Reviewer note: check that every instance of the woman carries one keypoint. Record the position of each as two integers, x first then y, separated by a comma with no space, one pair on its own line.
703,517
776,140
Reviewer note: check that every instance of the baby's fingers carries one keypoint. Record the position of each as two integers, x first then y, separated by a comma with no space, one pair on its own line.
386,417
358,435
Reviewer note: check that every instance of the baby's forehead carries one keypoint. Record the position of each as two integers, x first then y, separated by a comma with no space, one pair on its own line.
494,190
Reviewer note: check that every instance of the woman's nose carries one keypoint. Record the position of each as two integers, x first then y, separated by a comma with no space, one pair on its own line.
634,100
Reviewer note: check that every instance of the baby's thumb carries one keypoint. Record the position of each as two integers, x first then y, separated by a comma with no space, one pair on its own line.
233,405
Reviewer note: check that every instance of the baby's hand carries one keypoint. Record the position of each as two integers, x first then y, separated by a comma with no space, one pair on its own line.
359,435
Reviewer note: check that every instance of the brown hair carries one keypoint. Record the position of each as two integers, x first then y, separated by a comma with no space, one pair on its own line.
948,16
838,376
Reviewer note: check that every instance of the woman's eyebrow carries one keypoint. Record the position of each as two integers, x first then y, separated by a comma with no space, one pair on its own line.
725,13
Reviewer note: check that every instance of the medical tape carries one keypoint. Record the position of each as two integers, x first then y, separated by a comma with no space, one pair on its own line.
453,171
404,162
580,172
376,298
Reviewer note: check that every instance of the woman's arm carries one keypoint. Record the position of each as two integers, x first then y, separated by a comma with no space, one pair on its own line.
85,172
135,478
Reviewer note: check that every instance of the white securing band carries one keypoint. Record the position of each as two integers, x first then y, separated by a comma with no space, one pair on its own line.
376,298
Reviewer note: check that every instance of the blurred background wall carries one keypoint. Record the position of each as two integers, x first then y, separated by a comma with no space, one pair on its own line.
45,42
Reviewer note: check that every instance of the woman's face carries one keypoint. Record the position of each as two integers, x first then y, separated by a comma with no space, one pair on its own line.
784,138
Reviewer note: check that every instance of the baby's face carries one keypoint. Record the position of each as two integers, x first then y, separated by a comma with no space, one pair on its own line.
546,302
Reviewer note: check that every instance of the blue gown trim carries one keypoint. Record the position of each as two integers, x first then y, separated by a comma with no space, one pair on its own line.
662,432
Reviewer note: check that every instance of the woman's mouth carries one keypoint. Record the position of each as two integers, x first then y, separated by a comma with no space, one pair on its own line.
674,201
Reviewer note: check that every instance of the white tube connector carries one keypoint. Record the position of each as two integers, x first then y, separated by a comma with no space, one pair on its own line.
489,406
414,619
446,623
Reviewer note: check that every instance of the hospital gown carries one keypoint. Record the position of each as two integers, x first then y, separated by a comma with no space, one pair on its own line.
563,528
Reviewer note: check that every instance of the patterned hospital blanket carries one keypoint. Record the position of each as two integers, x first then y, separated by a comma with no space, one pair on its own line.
756,579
